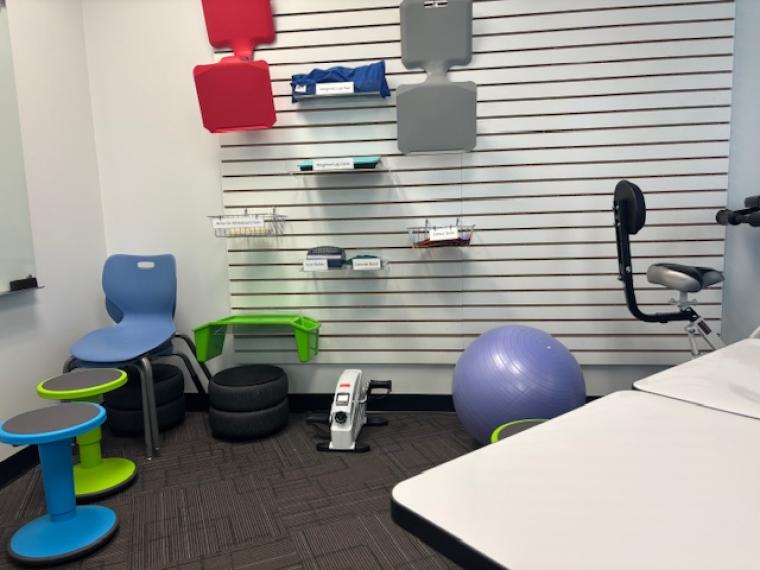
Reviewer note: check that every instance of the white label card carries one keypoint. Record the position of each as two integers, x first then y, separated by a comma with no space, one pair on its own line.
315,265
444,234
367,264
334,88
332,164
231,222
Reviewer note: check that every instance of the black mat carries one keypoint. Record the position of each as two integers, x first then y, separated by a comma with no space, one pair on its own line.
275,503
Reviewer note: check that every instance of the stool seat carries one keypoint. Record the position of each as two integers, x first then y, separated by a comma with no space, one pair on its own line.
55,423
684,278
94,476
66,532
82,383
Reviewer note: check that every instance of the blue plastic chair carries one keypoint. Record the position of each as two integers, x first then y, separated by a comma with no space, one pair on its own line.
167,349
141,295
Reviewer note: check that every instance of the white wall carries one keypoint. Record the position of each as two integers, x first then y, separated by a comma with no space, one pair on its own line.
160,174
159,169
36,329
741,311
125,66
16,261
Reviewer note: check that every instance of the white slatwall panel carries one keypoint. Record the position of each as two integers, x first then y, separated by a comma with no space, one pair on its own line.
572,97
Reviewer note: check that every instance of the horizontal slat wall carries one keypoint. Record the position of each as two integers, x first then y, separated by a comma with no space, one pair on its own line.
572,96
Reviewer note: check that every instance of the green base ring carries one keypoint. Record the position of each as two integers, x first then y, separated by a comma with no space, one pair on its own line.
110,475
514,427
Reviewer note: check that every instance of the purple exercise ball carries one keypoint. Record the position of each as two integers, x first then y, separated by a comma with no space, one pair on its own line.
515,373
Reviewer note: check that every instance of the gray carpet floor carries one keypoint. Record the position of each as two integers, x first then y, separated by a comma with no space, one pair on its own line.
273,503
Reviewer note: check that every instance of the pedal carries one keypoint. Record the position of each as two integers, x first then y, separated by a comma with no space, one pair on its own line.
322,419
376,421
358,448
384,386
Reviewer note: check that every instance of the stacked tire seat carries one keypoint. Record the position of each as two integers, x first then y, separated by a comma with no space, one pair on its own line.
247,402
124,406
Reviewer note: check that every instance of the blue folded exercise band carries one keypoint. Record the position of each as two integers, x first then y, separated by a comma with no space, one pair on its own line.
366,79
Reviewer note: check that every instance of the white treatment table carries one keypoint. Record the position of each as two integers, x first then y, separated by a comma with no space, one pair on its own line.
727,380
630,481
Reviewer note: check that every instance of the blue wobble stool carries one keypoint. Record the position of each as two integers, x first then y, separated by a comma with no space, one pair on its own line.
67,531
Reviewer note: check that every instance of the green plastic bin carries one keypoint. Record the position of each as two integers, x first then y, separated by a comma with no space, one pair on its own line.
209,338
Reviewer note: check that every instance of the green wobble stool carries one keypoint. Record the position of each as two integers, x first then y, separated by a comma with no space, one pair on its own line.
94,475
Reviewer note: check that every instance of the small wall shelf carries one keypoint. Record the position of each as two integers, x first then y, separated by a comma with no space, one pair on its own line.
354,165
9,293
358,264
248,225
209,338
427,236
302,97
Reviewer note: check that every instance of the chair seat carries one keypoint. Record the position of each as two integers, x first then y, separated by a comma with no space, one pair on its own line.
55,423
82,384
130,339
685,278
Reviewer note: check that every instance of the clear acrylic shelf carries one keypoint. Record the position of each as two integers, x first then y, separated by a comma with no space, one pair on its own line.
248,225
8,293
358,264
354,165
367,94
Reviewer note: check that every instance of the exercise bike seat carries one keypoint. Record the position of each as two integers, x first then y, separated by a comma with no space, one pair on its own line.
684,278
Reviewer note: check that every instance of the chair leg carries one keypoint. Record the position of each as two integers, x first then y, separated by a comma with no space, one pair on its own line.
147,434
191,346
193,376
150,414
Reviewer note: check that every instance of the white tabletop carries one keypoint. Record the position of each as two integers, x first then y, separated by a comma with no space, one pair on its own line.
629,481
727,380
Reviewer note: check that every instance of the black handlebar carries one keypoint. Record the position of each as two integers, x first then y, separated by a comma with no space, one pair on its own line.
749,215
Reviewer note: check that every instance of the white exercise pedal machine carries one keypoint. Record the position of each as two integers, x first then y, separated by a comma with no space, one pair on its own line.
348,414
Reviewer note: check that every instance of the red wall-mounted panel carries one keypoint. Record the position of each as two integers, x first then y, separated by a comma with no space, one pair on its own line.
239,24
235,96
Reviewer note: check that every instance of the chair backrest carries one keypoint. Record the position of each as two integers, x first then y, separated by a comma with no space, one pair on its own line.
140,284
630,207
630,216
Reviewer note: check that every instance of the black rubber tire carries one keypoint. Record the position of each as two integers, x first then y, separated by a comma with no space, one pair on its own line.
168,382
130,422
248,388
248,425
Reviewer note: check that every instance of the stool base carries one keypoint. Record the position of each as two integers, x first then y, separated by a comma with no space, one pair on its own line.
44,541
108,476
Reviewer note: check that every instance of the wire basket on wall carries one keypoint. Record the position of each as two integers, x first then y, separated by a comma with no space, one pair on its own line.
457,235
248,225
